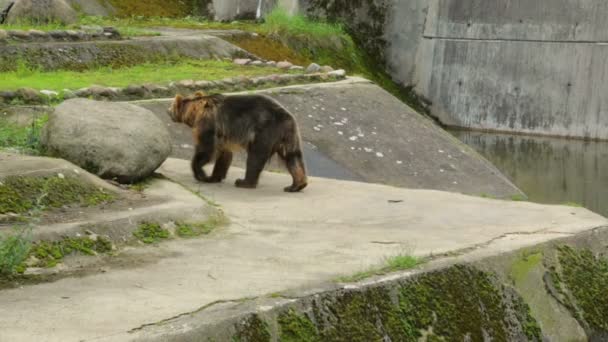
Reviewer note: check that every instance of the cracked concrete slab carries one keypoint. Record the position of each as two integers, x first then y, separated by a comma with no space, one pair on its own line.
276,242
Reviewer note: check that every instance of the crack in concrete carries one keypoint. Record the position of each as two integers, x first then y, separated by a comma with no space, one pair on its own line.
204,307
493,40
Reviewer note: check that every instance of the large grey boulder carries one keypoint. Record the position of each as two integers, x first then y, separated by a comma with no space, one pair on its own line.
42,11
113,140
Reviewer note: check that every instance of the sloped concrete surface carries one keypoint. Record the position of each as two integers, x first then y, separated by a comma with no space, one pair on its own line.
275,242
368,132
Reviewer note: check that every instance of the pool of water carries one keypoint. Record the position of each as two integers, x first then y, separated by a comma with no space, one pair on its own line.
548,170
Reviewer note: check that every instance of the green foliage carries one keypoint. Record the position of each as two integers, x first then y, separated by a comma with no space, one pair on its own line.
159,73
391,264
24,138
254,329
149,233
20,194
279,22
14,250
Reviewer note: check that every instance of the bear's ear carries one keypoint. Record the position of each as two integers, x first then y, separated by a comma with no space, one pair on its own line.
179,101
200,93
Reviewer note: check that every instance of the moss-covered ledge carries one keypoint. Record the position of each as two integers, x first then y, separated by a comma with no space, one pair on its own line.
452,304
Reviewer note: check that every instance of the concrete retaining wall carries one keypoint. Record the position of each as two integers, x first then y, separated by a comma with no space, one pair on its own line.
514,66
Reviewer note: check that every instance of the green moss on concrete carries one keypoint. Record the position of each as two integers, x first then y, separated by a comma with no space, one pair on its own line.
456,304
190,230
253,329
20,194
583,278
50,253
297,328
367,316
524,265
149,232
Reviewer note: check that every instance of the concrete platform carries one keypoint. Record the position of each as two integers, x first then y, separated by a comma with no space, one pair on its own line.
276,241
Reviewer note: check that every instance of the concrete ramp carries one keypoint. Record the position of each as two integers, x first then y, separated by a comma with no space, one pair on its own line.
358,131
275,242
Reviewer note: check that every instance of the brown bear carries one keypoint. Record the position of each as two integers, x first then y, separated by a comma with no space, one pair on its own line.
256,123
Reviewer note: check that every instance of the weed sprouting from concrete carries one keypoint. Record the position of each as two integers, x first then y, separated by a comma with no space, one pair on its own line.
22,138
190,230
149,233
14,250
396,263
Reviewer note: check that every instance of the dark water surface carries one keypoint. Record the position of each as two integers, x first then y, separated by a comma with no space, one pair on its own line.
548,170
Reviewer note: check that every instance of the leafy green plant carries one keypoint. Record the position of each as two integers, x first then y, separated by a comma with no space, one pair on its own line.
25,138
395,263
149,232
14,250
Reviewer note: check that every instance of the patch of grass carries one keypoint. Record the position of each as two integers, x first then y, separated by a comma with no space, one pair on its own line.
25,139
396,263
21,194
282,23
524,265
14,250
158,73
519,198
574,204
149,233
190,230
50,253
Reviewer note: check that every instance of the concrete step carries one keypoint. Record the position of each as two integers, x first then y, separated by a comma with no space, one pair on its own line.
276,242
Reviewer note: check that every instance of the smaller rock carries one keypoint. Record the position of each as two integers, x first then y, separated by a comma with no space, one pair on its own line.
74,35
49,93
189,84
19,35
257,63
202,85
271,64
3,34
134,91
313,68
337,73
67,94
29,95
157,90
111,33
326,69
38,35
284,65
242,61
102,92
58,35
83,92
296,67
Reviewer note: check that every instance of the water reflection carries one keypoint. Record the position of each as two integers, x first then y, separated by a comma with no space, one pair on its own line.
549,170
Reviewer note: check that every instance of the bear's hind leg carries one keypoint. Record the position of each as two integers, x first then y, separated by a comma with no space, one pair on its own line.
295,165
220,169
257,156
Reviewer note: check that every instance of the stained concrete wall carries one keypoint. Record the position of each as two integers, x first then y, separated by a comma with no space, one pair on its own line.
235,9
505,65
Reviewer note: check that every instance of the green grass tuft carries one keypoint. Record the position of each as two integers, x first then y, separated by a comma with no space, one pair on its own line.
396,263
190,230
14,250
149,233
